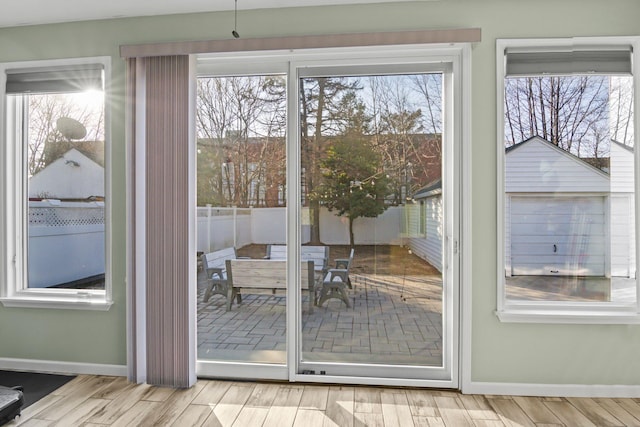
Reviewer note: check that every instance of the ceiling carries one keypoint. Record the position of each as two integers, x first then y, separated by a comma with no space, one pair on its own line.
30,12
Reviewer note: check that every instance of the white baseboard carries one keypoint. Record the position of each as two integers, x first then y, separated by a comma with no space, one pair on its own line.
553,390
57,367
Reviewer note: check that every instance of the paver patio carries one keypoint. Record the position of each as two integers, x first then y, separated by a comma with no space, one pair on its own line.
395,319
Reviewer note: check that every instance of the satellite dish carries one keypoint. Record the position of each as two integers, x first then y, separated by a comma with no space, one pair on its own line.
71,128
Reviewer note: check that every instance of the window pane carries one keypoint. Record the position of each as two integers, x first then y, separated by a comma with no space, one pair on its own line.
569,189
63,137
241,173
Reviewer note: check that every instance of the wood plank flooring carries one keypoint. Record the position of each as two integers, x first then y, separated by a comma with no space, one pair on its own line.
112,401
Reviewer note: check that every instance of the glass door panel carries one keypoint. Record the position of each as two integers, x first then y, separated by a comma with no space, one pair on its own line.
372,199
241,174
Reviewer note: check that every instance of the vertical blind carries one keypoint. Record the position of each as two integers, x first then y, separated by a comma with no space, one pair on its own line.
162,108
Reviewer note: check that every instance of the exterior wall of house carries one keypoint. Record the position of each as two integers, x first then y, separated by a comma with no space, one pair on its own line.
621,166
537,167
411,219
499,352
429,246
623,247
73,176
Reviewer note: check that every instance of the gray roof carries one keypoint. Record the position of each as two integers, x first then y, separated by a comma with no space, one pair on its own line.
433,188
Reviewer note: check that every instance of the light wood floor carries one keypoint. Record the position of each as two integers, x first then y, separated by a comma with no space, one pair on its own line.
99,401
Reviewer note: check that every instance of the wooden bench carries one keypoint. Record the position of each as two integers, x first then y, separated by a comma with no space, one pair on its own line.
214,264
251,276
336,280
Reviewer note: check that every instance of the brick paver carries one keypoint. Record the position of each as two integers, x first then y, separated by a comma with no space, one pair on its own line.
394,320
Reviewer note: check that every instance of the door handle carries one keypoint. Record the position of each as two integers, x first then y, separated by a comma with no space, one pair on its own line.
555,248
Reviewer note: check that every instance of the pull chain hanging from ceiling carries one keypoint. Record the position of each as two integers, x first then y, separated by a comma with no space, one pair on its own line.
234,33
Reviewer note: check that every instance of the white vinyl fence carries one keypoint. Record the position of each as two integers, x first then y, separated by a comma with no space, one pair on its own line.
218,228
66,242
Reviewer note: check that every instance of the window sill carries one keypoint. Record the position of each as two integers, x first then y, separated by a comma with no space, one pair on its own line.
67,302
569,317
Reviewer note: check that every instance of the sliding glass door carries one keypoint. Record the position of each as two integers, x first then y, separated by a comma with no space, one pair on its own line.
327,226
241,195
375,195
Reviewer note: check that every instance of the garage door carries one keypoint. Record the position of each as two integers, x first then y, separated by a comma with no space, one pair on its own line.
558,236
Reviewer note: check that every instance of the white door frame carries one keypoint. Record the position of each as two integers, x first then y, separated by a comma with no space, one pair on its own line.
456,183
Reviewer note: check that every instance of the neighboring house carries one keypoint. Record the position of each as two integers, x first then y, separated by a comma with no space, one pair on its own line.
565,216
66,231
73,176
424,224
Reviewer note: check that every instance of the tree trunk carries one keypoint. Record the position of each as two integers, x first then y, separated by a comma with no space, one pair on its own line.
314,204
351,238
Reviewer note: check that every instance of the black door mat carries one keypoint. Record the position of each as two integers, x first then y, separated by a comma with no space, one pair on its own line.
36,385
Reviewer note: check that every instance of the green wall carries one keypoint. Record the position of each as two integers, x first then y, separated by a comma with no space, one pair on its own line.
501,352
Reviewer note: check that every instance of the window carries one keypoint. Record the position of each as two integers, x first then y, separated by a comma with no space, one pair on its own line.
423,219
54,222
567,210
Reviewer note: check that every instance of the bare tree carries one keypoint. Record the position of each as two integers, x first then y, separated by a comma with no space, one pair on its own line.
407,120
622,110
572,112
430,87
47,144
241,122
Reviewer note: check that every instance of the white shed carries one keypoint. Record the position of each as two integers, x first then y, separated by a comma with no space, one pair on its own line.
424,224
558,211
72,176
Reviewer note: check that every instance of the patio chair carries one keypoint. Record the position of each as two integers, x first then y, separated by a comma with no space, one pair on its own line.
345,264
214,266
335,282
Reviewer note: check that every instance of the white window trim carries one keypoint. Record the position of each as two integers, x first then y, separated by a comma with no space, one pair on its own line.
13,277
554,311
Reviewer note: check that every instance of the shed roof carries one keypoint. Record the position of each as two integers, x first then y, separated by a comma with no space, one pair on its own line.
431,189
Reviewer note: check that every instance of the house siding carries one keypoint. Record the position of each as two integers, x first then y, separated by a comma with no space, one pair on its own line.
622,176
623,247
63,180
537,167
429,247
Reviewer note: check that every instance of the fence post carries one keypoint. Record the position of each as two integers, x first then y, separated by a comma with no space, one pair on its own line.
235,226
209,227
